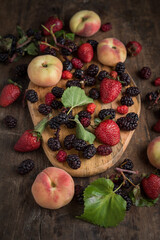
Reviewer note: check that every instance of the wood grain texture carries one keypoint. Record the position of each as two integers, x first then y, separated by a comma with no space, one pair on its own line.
20,217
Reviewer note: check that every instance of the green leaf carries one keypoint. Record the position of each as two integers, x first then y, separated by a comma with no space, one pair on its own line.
59,33
102,206
82,133
75,96
32,49
70,36
22,40
140,201
20,31
5,44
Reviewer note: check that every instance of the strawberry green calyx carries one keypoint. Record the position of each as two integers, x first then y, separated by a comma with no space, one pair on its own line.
39,128
14,83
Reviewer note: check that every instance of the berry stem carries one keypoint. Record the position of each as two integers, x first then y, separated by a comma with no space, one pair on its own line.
119,187
49,45
69,110
125,170
25,43
125,178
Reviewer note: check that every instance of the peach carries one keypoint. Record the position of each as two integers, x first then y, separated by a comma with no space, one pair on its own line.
53,188
85,23
110,51
153,152
45,70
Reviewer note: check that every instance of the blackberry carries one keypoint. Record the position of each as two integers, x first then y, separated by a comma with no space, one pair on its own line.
57,92
44,109
89,81
19,51
107,112
70,124
92,70
65,110
30,32
119,191
128,200
102,74
78,194
126,124
79,73
67,65
61,40
62,118
89,151
132,91
104,150
71,48
126,164
54,123
37,36
10,121
126,100
152,96
84,114
25,166
127,183
50,51
93,43
145,73
54,144
56,104
73,83
120,68
68,141
132,116
85,122
21,70
4,57
79,144
31,96
125,79
94,93
73,161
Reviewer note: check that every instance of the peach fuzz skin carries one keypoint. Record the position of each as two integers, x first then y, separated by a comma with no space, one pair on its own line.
153,152
53,188
85,23
45,70
110,51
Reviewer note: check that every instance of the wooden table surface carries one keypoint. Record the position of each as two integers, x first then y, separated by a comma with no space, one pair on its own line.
20,217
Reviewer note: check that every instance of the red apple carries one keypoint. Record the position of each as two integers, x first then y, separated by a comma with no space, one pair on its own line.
110,51
153,152
45,70
53,188
85,23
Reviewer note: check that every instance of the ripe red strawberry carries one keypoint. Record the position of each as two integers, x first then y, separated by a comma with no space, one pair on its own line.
106,27
108,132
42,47
113,74
9,94
151,186
133,48
52,20
67,75
122,109
77,63
49,97
156,127
157,82
109,90
85,52
91,108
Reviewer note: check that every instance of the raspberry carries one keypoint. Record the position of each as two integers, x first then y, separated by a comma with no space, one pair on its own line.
102,74
77,63
79,144
132,91
126,164
113,74
75,83
92,70
89,81
106,112
125,79
50,51
85,122
68,141
122,109
89,151
61,156
78,194
25,166
10,121
94,44
126,124
128,200
44,109
67,75
31,96
126,100
57,92
73,161
54,123
84,114
54,144
21,70
56,104
104,150
145,73
49,97
106,27
91,108
157,82
67,65
94,93
120,68
79,73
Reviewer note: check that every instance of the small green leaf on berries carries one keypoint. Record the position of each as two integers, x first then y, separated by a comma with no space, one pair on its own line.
70,36
5,44
60,33
20,32
32,49
22,40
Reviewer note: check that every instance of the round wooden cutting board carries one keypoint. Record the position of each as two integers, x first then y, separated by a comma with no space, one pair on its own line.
96,164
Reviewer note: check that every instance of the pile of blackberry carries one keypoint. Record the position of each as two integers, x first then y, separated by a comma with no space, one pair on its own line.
94,93
127,100
128,123
57,92
94,44
132,91
120,68
25,167
102,74
54,144
69,48
78,194
107,112
67,65
44,109
92,70
89,81
31,95
73,161
56,104
73,83
10,121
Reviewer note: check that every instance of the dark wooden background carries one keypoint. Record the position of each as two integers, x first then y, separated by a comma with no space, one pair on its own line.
20,217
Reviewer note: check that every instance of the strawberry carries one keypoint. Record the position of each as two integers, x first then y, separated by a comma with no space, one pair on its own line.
156,127
122,109
49,97
109,90
151,186
113,74
42,47
91,108
58,25
9,94
108,132
85,52
157,82
31,139
133,48
67,75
